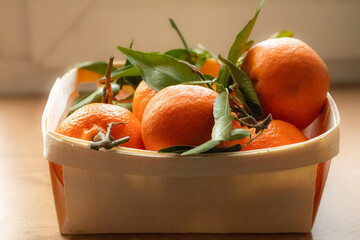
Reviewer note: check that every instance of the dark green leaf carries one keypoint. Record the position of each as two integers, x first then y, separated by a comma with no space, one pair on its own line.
98,67
196,56
245,86
182,149
239,46
183,54
160,70
283,33
208,77
233,148
94,97
175,149
133,81
128,71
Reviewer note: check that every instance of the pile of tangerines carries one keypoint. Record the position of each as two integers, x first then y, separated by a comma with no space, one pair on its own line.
187,101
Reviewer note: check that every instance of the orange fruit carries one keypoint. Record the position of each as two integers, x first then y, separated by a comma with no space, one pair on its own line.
279,133
144,92
210,67
87,76
290,78
84,122
142,95
178,115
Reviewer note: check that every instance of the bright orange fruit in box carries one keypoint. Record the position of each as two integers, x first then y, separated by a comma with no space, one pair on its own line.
279,133
290,78
142,95
85,122
144,92
178,115
210,67
88,76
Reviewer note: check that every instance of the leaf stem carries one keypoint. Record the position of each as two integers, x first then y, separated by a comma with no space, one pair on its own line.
108,144
108,131
107,141
252,138
238,106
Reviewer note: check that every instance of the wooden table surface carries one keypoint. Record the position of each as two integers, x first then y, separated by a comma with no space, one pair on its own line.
26,203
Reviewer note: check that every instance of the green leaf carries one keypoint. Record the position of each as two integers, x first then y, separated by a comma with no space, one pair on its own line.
126,105
241,41
98,67
182,54
81,97
239,46
127,71
132,81
209,77
202,148
195,56
223,118
174,26
182,149
239,133
94,97
203,54
245,86
198,82
175,149
222,127
233,148
127,62
160,70
283,33
221,106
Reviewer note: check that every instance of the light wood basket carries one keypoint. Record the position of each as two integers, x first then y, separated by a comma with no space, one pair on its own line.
126,190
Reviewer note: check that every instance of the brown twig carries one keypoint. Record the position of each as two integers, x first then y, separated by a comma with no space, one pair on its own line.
108,95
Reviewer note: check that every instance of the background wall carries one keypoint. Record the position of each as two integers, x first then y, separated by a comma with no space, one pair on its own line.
40,39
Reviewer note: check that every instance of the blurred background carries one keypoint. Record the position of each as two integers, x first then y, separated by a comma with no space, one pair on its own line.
40,40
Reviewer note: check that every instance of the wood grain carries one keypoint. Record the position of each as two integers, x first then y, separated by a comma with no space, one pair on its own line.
26,203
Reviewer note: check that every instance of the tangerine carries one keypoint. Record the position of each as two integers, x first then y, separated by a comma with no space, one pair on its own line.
87,75
142,95
85,122
278,133
210,67
290,78
178,115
